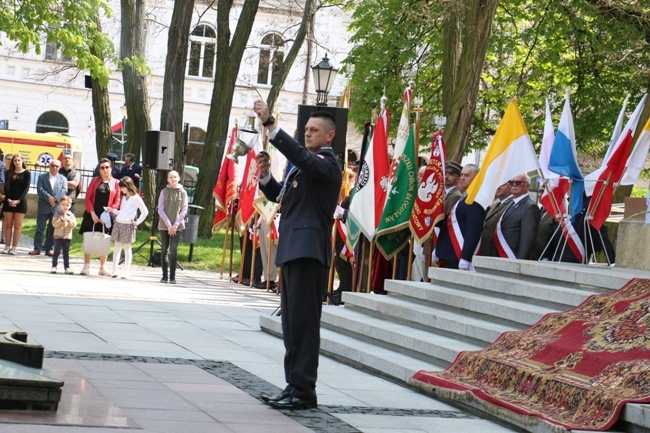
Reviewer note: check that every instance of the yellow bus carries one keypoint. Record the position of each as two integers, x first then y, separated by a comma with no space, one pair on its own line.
38,149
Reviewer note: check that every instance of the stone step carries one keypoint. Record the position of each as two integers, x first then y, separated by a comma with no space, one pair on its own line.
598,278
510,287
361,354
450,323
503,311
401,338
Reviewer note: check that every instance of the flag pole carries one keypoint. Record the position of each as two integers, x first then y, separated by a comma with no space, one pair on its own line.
254,244
417,101
232,242
371,253
223,250
330,279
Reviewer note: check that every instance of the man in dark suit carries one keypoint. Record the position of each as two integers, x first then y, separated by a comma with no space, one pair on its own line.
543,228
308,196
69,171
516,230
50,187
492,216
131,169
461,231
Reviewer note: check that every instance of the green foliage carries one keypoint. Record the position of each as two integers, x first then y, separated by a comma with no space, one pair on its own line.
537,50
69,24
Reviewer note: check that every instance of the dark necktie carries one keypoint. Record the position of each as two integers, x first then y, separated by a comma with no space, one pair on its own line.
292,174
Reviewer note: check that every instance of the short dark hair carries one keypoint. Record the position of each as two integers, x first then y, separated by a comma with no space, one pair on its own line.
130,156
326,117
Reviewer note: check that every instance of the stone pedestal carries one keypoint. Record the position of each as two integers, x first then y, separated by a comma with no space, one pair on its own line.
26,388
633,245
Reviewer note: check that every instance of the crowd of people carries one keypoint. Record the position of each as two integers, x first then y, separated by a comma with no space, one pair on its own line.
113,206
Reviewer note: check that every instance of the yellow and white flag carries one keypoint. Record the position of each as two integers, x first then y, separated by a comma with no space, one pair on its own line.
510,153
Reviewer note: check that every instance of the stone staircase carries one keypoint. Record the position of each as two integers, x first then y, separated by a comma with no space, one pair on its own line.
423,326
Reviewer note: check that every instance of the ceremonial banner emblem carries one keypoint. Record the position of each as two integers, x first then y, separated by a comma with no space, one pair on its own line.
429,207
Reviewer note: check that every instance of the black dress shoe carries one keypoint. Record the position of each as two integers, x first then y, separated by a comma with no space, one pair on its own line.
293,403
267,398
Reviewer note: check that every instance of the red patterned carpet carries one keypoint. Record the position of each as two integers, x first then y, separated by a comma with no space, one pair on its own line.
574,369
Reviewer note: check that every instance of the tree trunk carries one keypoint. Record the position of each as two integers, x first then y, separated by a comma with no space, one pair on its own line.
229,55
467,33
171,116
132,43
101,106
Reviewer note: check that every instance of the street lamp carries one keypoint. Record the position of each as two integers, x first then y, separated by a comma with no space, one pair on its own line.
16,114
124,116
324,75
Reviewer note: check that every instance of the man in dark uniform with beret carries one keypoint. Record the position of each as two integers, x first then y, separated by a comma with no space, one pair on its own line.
308,196
452,175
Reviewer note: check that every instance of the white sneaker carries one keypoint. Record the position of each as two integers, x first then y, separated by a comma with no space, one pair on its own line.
6,250
53,271
102,271
68,271
85,270
12,251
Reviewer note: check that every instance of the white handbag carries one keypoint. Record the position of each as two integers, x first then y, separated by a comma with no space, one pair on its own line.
96,243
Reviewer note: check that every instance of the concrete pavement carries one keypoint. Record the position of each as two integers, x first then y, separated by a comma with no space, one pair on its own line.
140,355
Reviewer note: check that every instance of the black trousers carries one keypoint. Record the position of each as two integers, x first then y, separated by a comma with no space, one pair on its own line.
301,301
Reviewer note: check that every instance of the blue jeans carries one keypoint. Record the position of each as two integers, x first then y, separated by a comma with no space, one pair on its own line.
61,244
41,220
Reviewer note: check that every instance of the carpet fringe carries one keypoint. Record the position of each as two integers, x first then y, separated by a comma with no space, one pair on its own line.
487,407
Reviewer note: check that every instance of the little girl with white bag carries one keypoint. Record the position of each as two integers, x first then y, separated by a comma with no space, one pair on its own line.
125,225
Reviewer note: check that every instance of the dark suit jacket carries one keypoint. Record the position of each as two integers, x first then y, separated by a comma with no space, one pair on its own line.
45,191
542,234
492,216
308,204
470,220
134,172
519,226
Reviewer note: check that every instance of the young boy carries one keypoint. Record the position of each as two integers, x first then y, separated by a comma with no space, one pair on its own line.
63,222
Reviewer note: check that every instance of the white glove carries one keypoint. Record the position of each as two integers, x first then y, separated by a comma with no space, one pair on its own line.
339,212
463,265
434,258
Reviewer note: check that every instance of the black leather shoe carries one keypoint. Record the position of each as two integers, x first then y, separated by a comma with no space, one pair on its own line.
293,403
267,398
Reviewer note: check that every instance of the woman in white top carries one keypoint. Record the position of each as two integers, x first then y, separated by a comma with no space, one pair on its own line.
123,233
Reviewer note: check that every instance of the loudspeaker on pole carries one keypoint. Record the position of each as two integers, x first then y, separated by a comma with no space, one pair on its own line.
340,118
159,150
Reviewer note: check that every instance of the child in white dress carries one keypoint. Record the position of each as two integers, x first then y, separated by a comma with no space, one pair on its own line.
123,234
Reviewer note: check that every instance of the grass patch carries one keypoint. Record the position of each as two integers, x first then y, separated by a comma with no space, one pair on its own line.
206,255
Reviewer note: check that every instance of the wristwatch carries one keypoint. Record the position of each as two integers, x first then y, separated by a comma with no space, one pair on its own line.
269,121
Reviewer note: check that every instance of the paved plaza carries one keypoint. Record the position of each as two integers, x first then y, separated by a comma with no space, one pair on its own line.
140,356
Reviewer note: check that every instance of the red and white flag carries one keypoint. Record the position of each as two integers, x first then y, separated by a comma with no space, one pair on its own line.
610,173
636,161
372,181
225,190
248,191
429,207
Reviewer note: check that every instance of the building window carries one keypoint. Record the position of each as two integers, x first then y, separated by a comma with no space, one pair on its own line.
195,146
203,44
52,121
271,57
54,54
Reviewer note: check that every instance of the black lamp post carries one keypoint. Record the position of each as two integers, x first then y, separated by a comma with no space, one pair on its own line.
324,75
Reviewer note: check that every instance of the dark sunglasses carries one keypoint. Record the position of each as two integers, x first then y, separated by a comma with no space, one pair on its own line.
517,182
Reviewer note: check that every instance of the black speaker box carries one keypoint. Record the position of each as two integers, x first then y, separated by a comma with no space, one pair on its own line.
340,117
158,151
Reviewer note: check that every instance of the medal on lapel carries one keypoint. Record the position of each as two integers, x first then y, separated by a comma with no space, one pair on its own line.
295,184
